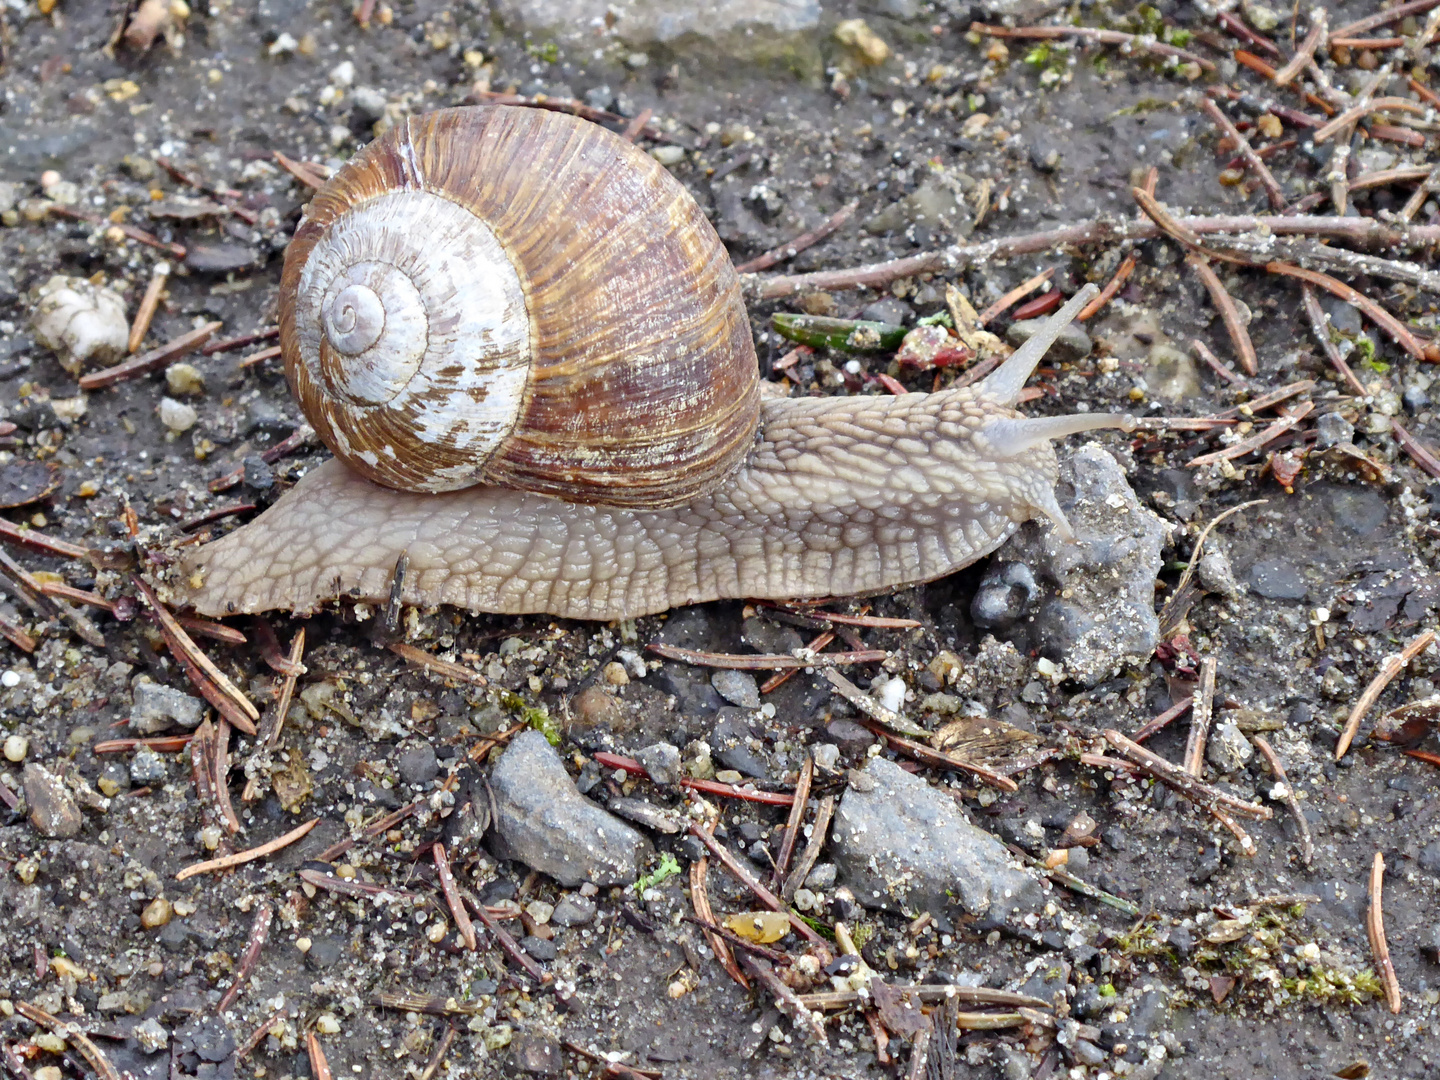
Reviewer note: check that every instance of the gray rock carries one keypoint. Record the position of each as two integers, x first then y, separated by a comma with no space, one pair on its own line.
543,822
766,636
1099,609
655,818
158,707
1276,579
730,744
937,204
737,687
146,767
1333,429
418,765
661,761
574,911
738,28
827,756
822,877
151,1036
221,258
903,844
534,1054
52,811
1429,858
1228,749
1072,344
542,949
1004,595
324,952
889,310
1216,573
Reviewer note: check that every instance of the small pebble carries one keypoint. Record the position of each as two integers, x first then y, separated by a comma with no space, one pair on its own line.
156,914
737,687
52,811
615,674
176,415
668,155
184,379
326,1024
891,694
16,747
10,679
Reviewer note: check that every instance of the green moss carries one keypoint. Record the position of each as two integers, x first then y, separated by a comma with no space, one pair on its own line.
535,716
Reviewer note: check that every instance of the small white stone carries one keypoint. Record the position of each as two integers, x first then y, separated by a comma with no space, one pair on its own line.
343,73
184,379
10,679
326,1024
16,747
668,155
176,415
891,694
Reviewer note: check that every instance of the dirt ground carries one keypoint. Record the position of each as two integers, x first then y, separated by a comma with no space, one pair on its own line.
773,132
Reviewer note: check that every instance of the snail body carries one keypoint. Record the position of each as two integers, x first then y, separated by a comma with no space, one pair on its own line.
541,404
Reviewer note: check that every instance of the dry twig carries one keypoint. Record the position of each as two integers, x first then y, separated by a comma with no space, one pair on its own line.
700,901
764,895
796,819
1391,667
452,898
242,857
1375,929
1107,37
1421,454
766,661
834,223
1307,845
1319,23
1229,314
259,931
1200,718
1320,327
1252,159
149,361
148,303
1191,787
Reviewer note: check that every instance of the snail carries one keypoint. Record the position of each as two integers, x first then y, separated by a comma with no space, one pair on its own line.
527,349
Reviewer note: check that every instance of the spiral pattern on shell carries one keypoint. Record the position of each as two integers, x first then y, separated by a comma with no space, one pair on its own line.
501,295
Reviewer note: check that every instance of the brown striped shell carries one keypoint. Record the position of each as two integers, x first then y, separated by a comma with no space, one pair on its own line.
508,296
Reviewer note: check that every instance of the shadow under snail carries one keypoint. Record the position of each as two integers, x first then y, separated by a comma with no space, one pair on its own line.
527,349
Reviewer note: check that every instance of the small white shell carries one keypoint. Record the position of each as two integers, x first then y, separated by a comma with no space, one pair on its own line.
80,321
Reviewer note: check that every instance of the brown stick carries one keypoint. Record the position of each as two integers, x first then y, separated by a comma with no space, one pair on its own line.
208,679
1421,454
1269,434
1229,314
452,898
38,541
72,1033
637,125
433,665
319,1067
1369,232
1375,929
796,819
259,931
1319,23
1164,719
1370,22
1244,33
1389,668
1014,296
1320,327
1357,112
1191,787
240,342
135,233
508,943
1214,363
1252,159
764,661
17,636
1378,315
148,303
765,896
1307,845
826,228
274,721
818,828
1113,286
149,361
438,1055
1200,718
296,439
301,170
785,998
700,901
938,759
1108,37
241,857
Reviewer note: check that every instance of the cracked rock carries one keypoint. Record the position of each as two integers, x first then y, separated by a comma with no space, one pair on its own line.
542,821
901,843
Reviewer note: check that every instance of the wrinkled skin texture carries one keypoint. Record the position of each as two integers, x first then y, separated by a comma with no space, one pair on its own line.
840,496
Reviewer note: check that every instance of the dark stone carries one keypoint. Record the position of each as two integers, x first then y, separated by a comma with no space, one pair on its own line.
542,949
532,1054
852,739
52,811
1115,838
889,310
768,636
418,765
1276,579
257,472
1004,595
220,258
325,952
498,890
737,687
173,935
573,910
730,741
1429,858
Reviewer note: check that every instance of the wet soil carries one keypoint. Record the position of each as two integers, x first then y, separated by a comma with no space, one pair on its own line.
771,147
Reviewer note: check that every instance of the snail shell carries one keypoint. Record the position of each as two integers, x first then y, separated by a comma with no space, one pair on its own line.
451,315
